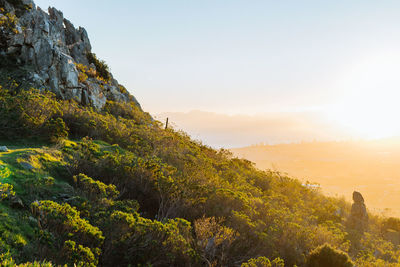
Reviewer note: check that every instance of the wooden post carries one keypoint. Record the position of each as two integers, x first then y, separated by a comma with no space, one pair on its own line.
166,124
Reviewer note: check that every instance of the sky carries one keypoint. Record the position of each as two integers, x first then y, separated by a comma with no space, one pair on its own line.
338,58
232,131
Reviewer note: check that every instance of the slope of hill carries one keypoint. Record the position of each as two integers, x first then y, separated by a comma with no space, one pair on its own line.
106,185
339,167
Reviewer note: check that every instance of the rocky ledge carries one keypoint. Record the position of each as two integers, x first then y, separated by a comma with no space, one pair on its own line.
54,55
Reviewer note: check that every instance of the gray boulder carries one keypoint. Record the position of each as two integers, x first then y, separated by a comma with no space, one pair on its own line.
68,71
95,95
3,149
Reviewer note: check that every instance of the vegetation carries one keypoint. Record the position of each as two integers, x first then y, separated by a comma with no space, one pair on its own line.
8,21
84,72
101,67
264,262
327,256
113,187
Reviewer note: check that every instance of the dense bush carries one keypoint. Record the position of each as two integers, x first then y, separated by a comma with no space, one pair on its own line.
129,111
95,190
6,260
101,67
136,240
67,227
78,255
31,114
150,186
327,256
6,191
84,72
263,262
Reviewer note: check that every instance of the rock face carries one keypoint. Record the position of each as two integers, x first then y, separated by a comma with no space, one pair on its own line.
358,217
51,47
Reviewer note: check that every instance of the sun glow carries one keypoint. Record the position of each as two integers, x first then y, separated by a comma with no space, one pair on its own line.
370,97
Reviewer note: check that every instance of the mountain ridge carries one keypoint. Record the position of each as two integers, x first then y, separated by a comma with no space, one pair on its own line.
48,52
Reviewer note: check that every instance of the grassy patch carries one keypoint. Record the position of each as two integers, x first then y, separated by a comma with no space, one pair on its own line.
38,182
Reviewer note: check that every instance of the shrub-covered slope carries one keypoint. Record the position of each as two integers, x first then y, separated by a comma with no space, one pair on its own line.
113,187
90,179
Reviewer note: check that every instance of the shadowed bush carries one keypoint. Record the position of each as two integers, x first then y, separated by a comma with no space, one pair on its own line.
328,257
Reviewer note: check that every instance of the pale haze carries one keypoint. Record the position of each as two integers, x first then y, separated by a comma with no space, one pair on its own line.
337,58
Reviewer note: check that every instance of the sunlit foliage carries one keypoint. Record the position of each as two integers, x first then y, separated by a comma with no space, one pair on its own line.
125,191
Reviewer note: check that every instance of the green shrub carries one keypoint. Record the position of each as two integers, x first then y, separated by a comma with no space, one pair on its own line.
64,220
56,129
29,114
85,72
129,111
78,255
328,257
6,191
169,176
61,223
94,190
101,67
4,171
135,240
6,260
263,262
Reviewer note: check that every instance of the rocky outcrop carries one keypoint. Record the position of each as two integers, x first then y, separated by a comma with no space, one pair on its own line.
51,47
358,216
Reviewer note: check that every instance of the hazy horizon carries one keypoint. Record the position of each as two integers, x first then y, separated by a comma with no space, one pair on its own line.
370,167
221,130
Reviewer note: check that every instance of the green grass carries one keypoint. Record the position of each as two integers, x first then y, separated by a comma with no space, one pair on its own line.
17,225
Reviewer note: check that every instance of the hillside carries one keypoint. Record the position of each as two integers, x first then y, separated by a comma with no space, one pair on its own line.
339,167
96,181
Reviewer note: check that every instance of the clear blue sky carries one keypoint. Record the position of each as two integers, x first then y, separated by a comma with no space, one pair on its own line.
246,56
